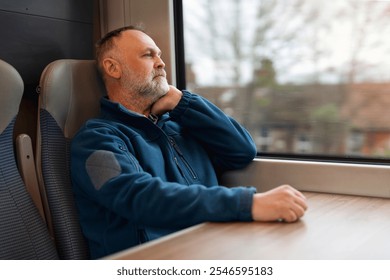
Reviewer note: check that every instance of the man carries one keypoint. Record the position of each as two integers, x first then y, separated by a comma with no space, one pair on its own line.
148,166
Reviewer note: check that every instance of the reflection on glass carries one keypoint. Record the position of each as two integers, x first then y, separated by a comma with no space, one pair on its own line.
304,76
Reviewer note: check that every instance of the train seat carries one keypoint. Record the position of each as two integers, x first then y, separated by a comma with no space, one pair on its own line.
23,232
70,91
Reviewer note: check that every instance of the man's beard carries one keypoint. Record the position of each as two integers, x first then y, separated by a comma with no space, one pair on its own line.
153,87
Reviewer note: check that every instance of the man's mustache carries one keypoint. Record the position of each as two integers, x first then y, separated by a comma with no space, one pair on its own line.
159,73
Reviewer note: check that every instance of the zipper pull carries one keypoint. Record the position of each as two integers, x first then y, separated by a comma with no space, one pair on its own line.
153,118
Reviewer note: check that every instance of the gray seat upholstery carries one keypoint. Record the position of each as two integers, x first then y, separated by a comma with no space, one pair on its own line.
23,233
70,92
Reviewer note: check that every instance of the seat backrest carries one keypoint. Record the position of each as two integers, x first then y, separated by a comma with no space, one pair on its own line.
70,92
23,233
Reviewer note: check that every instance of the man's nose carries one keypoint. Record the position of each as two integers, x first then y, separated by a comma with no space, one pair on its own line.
159,62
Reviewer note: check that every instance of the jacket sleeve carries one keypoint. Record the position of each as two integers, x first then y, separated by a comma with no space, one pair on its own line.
229,145
104,172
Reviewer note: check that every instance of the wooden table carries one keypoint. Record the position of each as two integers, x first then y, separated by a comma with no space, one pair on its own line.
334,227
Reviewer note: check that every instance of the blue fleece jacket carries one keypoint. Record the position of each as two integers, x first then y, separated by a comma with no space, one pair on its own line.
135,180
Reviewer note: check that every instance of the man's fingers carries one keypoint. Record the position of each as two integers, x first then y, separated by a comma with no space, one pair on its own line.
301,202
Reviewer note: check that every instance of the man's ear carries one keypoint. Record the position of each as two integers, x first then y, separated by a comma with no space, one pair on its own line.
112,68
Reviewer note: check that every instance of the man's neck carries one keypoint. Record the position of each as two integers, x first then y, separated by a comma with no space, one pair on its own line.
133,103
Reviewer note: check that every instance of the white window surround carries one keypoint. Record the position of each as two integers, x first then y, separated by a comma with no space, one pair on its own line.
313,176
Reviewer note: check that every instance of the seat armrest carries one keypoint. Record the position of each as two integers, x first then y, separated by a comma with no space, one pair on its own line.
27,170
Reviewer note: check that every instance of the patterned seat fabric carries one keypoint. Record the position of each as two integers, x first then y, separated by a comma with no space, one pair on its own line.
23,233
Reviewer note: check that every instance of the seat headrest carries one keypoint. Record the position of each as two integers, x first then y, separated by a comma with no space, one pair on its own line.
70,90
11,92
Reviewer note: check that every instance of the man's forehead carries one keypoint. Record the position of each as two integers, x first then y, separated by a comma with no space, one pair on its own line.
137,39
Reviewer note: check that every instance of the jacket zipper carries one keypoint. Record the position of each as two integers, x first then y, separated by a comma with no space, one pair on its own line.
154,119
180,170
177,149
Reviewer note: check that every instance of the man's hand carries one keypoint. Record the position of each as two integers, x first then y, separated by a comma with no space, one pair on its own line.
282,203
168,102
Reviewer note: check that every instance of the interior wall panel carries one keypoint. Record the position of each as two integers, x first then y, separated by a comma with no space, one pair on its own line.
35,33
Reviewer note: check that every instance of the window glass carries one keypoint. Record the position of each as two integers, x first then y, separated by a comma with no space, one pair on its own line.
303,76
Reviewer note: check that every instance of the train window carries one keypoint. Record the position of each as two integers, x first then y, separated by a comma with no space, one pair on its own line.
304,77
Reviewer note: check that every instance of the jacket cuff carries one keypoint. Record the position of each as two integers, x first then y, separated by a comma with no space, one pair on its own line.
246,204
182,106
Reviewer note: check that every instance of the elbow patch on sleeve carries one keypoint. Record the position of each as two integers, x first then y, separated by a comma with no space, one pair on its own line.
101,166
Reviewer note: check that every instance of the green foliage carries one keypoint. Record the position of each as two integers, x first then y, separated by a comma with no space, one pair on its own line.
325,113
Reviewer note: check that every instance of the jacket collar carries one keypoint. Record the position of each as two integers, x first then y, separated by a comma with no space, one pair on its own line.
115,111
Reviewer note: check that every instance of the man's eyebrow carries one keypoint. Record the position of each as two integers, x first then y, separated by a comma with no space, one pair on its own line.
153,50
